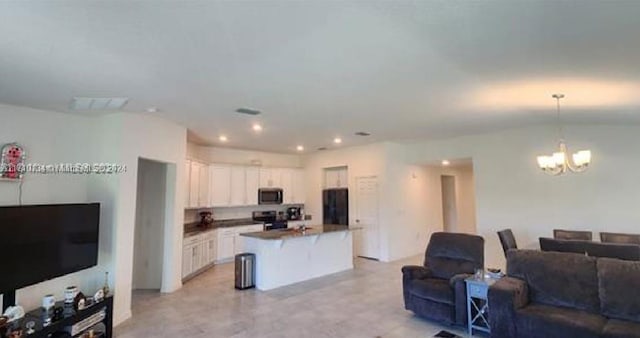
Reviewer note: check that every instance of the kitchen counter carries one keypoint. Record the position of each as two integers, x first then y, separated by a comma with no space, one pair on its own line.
312,230
288,256
192,229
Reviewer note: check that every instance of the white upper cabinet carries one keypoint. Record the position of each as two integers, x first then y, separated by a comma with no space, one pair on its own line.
298,186
270,178
265,178
187,184
194,184
286,180
276,177
203,185
343,179
220,185
238,186
252,175
197,182
336,178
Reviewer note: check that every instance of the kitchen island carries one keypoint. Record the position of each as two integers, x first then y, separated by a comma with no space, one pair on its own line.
290,256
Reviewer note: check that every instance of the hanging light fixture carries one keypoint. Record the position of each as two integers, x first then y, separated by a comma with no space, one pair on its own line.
559,162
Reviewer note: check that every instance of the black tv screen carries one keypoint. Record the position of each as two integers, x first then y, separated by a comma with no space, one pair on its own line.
41,242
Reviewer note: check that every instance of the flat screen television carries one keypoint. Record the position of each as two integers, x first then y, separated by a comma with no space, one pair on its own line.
41,242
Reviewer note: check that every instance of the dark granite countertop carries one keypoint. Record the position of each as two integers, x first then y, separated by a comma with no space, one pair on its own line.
191,229
312,230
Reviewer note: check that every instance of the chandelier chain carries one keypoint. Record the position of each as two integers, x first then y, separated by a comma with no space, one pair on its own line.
560,129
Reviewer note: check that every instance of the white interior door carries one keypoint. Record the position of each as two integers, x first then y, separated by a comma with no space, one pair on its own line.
367,241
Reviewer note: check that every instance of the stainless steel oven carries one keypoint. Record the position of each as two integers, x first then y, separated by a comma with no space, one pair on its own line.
270,196
269,219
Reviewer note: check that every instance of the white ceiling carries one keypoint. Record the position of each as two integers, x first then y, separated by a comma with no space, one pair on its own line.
320,69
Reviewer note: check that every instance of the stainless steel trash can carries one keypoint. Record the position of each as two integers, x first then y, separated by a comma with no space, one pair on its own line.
245,271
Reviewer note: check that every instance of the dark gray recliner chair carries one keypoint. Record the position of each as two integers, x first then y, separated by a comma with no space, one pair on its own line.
437,290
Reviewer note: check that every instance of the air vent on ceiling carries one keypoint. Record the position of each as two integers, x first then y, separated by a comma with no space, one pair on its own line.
248,111
322,148
98,103
363,133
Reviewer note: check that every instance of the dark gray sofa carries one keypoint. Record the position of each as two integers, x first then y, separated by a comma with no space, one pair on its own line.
629,252
437,289
565,295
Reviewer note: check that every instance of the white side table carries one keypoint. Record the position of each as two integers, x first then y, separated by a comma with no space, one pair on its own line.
478,304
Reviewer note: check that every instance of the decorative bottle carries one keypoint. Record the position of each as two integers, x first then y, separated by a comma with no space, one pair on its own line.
105,288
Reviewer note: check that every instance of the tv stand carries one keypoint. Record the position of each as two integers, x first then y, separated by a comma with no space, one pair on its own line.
69,318
8,299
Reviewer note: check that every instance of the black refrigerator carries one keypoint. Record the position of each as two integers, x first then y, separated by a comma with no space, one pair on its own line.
335,206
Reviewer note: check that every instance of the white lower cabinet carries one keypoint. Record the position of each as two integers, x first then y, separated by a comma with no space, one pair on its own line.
198,251
226,244
186,261
219,245
196,257
230,241
211,247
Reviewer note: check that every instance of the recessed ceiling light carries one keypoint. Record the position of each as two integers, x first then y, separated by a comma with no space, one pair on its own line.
300,148
248,111
363,133
152,110
445,162
257,127
337,140
223,138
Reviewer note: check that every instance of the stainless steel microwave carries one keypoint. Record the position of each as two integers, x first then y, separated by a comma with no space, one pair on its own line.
270,196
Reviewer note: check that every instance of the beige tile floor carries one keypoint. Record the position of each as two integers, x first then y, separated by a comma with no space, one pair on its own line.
364,302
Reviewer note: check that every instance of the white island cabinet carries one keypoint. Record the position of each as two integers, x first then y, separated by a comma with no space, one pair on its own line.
290,256
230,243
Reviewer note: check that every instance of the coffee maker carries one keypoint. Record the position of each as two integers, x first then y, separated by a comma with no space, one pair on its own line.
294,214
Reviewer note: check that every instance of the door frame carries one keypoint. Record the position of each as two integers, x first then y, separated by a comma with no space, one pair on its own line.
377,211
169,259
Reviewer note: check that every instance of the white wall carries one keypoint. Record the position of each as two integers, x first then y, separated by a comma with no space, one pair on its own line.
236,156
361,161
404,228
136,136
511,192
465,197
50,138
409,221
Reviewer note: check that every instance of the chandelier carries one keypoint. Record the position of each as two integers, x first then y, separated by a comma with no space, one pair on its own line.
559,162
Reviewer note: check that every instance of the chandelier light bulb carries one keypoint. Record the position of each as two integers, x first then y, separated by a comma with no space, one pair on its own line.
559,158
